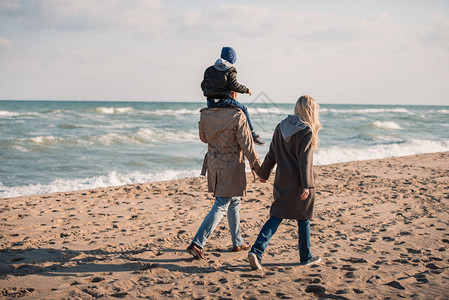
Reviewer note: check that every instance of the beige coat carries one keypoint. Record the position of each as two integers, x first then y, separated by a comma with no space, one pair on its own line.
229,140
292,151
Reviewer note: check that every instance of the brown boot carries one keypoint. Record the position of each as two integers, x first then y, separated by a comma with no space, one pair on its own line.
196,251
241,247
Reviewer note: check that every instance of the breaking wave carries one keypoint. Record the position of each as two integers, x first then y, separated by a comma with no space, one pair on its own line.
338,154
113,110
366,110
386,125
111,179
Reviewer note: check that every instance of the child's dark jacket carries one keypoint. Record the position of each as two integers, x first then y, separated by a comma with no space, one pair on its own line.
220,80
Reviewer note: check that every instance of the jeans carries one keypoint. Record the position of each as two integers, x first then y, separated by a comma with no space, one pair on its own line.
221,205
230,102
269,229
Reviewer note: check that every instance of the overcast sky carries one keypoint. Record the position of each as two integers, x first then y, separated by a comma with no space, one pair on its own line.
367,52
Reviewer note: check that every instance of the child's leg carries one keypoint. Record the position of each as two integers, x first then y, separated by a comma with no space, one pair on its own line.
239,105
231,102
223,103
210,103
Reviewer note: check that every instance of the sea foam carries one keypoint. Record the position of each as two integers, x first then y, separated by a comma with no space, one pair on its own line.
5,113
111,179
270,110
113,110
365,110
145,136
44,140
338,154
386,125
171,112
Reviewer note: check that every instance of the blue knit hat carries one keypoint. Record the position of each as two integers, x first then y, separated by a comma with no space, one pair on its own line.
228,54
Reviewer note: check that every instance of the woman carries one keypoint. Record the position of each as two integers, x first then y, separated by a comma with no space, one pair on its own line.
291,148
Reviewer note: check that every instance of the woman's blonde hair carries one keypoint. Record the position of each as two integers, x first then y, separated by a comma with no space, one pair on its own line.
308,112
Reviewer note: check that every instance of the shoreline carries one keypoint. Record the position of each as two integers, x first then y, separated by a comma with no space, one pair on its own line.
199,177
381,227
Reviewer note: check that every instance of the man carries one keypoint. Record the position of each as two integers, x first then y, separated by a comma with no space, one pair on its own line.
229,140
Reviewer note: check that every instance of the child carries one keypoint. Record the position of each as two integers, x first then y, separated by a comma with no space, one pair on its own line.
292,146
219,83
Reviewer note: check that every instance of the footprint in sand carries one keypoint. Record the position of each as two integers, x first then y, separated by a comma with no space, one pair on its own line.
283,296
342,291
15,292
395,285
315,289
421,277
119,295
96,279
93,291
413,251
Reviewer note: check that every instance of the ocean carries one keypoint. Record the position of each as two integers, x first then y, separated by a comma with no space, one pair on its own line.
58,146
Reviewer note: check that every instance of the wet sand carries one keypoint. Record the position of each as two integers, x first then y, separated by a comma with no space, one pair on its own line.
381,227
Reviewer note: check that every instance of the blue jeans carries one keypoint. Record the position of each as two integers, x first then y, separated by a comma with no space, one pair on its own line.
231,102
221,205
269,229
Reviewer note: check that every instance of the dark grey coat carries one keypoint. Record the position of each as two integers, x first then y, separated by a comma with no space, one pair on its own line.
291,150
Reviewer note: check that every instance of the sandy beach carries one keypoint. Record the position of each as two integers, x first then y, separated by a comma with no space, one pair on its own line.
381,227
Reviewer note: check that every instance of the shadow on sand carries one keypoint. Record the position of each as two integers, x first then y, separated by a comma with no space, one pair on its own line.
58,262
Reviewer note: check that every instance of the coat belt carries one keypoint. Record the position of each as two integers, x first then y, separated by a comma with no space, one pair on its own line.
223,150
215,151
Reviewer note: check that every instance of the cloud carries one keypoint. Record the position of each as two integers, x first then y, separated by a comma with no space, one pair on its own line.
438,32
142,15
233,22
4,43
9,4
225,22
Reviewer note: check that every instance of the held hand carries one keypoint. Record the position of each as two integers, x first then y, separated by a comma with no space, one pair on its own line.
250,92
304,194
262,180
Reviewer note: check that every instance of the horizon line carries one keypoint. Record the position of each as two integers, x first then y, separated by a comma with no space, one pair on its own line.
152,101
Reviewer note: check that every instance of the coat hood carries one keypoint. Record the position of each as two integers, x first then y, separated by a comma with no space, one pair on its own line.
222,65
290,126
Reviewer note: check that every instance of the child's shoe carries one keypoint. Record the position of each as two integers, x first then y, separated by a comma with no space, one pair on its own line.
258,140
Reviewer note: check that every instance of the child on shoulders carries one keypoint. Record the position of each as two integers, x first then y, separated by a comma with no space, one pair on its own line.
220,87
